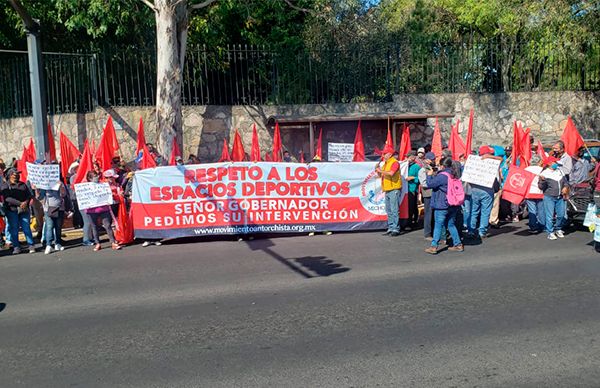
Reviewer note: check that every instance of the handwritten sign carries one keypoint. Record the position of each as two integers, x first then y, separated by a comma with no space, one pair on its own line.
90,194
44,176
340,152
482,172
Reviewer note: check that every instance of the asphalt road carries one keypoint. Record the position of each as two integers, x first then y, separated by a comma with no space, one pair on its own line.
347,310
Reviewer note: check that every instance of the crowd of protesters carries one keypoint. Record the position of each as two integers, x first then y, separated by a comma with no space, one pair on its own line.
450,214
450,221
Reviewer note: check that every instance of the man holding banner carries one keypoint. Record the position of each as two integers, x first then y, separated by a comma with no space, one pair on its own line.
391,183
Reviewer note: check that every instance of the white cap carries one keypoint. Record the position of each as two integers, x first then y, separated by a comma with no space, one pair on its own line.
421,150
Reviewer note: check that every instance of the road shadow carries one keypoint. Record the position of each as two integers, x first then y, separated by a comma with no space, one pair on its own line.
307,266
2,307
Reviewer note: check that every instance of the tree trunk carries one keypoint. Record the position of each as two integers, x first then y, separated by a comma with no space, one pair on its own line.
171,31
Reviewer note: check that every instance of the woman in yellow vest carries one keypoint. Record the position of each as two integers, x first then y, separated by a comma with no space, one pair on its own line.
391,183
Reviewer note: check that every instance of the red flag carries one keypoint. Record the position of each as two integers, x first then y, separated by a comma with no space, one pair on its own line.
276,144
68,153
85,165
456,144
28,155
147,159
225,152
174,153
517,184
124,229
108,146
388,139
436,142
405,145
543,155
469,140
359,146
93,148
319,150
51,145
141,138
526,146
268,157
237,152
572,138
302,157
255,152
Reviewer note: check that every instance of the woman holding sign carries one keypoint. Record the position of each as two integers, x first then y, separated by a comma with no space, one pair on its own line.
103,214
53,203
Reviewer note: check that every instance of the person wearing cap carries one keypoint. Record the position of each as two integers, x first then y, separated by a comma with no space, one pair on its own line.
17,196
413,189
53,203
391,184
420,156
428,162
482,200
110,176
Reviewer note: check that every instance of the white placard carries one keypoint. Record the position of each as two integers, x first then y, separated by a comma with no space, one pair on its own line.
555,175
44,176
534,188
340,152
90,194
482,172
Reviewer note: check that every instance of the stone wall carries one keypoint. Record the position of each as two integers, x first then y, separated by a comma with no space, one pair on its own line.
205,127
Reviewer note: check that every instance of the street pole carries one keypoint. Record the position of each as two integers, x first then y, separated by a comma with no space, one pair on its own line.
36,75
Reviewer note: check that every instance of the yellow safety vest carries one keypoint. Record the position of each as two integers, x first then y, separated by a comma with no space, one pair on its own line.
389,183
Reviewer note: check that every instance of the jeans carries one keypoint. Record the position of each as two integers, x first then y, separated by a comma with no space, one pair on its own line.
15,221
53,228
535,207
445,219
554,206
481,208
427,217
392,207
106,223
466,209
87,226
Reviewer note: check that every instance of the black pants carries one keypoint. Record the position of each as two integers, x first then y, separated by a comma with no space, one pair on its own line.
428,217
413,208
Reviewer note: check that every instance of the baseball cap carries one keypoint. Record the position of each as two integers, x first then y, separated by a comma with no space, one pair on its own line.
110,174
421,150
430,156
485,150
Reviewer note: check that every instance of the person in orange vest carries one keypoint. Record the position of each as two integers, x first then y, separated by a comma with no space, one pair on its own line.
391,184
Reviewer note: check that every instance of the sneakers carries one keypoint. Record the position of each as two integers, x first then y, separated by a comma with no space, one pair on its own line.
48,250
311,234
146,243
157,243
394,234
58,247
31,250
515,219
386,233
552,236
559,234
16,250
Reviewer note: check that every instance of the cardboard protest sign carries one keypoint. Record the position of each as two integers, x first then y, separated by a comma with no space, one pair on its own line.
482,172
340,152
44,176
91,194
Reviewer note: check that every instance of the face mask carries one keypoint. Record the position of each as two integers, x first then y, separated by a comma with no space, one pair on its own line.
554,166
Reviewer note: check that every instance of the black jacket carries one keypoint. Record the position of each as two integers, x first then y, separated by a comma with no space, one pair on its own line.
14,195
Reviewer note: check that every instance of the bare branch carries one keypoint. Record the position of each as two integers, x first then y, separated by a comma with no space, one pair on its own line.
149,4
204,4
298,8
30,24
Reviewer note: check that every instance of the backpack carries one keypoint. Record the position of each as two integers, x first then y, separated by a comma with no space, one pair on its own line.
455,193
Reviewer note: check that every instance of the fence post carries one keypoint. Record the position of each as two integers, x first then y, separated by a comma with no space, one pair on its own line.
94,82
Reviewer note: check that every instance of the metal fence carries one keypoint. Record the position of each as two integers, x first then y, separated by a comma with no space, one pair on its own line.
243,75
